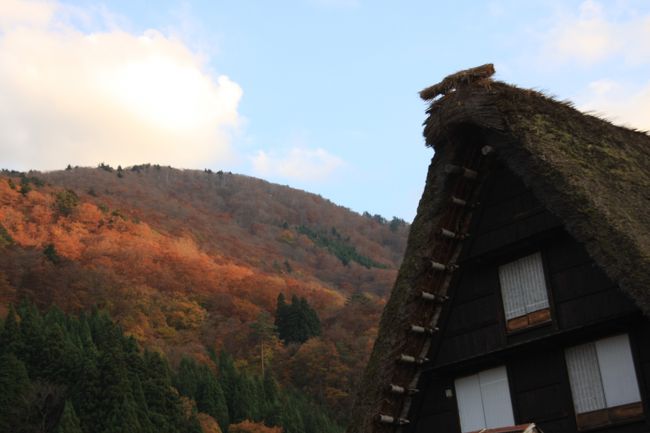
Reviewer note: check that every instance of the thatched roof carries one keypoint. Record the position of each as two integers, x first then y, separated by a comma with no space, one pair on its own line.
593,175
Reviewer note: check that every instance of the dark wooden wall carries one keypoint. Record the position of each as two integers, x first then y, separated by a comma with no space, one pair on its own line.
508,214
585,305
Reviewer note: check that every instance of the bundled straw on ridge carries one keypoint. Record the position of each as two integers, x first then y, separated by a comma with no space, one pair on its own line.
479,74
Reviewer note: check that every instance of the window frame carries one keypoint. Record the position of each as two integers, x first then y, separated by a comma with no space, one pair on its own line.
534,319
609,415
508,387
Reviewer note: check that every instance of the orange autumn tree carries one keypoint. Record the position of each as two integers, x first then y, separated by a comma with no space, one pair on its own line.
247,426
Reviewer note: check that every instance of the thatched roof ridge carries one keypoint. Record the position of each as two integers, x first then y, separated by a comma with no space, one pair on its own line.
593,175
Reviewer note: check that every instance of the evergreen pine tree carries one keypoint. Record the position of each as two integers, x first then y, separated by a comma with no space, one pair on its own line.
272,407
228,379
116,396
273,415
51,254
69,422
165,410
281,316
10,336
246,400
271,390
123,418
87,376
199,383
186,380
212,399
291,420
14,382
55,355
241,401
87,393
259,398
32,338
141,408
311,321
297,322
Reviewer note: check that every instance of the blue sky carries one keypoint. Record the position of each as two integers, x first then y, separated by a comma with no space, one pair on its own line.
317,94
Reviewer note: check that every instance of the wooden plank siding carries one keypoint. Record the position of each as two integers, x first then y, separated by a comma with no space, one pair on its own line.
585,305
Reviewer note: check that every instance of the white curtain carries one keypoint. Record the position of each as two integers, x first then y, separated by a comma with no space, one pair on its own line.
484,400
602,374
495,392
617,370
470,403
584,376
523,287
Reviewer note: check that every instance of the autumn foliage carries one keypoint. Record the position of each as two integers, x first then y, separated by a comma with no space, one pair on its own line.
252,427
187,262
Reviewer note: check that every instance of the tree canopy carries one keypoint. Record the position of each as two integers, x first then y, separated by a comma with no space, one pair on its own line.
65,374
296,322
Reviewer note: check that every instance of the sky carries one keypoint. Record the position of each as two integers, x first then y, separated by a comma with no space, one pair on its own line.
320,95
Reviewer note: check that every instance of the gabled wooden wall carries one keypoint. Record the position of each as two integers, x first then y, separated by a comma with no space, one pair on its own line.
585,304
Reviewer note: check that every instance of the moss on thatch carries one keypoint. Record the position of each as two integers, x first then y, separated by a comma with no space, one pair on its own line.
593,175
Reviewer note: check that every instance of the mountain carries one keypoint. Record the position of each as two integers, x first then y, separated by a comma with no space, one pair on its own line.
192,262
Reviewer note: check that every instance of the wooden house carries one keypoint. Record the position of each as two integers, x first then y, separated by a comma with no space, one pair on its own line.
524,293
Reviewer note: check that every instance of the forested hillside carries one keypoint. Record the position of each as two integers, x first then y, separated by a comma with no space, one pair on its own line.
65,374
192,263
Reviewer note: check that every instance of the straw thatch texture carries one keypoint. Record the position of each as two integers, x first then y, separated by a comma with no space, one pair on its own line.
593,175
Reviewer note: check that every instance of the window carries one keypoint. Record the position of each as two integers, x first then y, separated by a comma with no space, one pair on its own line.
523,289
603,382
484,400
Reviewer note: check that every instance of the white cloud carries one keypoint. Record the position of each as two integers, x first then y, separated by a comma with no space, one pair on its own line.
619,103
18,12
597,33
604,35
603,87
79,97
297,163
